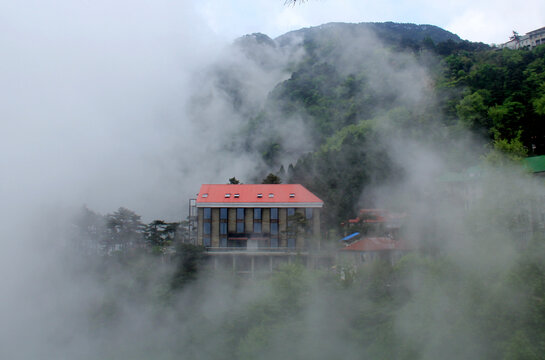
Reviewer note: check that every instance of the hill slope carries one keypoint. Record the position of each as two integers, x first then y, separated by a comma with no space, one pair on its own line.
334,106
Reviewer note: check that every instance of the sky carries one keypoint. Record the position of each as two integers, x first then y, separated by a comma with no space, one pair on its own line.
480,20
94,94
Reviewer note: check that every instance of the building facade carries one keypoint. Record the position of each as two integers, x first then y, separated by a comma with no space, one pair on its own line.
373,248
530,40
257,217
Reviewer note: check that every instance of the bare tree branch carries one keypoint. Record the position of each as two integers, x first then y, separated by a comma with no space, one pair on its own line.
293,2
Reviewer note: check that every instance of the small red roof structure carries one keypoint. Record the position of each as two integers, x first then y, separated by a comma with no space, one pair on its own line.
376,244
257,195
369,216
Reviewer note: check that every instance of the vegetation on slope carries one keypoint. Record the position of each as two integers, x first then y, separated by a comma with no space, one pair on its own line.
476,297
356,94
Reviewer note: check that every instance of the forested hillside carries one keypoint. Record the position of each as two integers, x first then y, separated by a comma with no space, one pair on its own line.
350,90
362,115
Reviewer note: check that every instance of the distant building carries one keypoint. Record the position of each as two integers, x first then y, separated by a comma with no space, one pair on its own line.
375,222
530,40
462,188
257,217
374,248
377,236
466,189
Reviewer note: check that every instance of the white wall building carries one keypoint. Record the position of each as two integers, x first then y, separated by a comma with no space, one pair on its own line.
530,40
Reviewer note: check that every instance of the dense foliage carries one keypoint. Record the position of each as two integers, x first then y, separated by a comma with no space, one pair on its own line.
358,88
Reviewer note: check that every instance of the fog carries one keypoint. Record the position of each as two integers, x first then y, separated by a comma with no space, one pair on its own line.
94,101
124,104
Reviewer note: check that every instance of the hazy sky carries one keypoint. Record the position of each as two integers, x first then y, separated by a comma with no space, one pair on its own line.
476,20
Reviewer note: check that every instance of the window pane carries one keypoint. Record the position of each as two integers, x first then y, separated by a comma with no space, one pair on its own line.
274,228
240,227
206,228
206,241
240,214
274,242
291,243
291,211
223,228
274,214
223,213
207,213
257,227
223,242
308,213
257,214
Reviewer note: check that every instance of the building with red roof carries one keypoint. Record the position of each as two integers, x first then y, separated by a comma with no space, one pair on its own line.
257,216
372,248
376,223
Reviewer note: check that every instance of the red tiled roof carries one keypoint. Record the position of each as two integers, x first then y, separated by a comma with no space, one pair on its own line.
377,244
373,216
251,195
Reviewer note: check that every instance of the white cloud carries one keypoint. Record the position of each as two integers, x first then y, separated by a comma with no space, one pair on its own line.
493,22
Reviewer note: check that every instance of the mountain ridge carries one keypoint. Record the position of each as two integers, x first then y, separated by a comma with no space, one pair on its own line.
386,30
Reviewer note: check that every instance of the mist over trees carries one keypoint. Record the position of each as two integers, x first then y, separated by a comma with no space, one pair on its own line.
123,231
364,116
353,90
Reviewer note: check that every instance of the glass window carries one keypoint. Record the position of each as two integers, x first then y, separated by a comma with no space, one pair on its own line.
274,242
274,228
223,242
223,228
257,227
206,241
206,228
257,214
308,213
240,213
291,211
223,213
274,214
207,213
240,227
291,243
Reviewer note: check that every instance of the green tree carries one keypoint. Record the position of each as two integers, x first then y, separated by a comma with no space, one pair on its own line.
88,230
473,112
189,260
506,151
539,105
272,179
234,181
507,119
159,234
124,230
